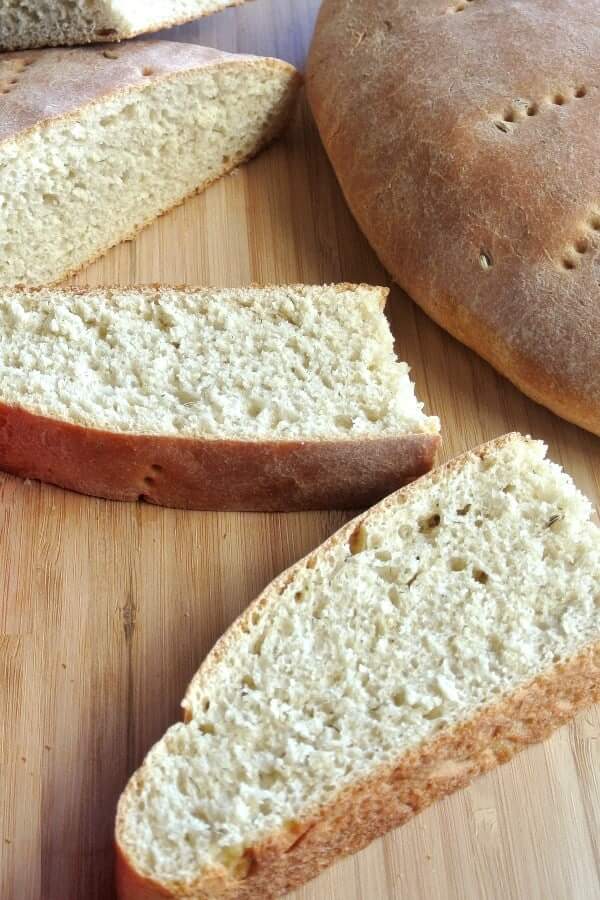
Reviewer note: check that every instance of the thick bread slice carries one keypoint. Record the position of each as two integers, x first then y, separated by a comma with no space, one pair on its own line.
464,136
55,23
252,398
95,143
423,644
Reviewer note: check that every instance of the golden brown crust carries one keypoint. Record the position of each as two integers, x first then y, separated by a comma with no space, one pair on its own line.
478,192
53,85
111,36
397,791
191,473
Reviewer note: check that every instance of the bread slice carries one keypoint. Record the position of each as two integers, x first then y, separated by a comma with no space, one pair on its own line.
424,643
464,137
95,143
252,398
29,23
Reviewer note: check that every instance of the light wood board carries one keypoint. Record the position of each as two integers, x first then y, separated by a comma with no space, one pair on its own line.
107,609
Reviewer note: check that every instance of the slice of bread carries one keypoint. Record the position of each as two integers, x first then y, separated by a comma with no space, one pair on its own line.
55,23
252,398
424,643
95,143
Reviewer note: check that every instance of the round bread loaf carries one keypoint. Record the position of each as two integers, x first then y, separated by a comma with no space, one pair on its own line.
464,136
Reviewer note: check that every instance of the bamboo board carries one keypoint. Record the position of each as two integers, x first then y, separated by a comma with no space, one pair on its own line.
107,609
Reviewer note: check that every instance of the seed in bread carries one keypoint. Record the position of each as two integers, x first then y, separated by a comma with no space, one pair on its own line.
95,143
424,643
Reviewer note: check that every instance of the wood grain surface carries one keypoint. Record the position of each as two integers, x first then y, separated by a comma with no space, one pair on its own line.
107,609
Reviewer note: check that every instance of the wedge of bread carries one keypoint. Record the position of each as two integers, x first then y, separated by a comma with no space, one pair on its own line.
255,398
426,642
95,143
54,23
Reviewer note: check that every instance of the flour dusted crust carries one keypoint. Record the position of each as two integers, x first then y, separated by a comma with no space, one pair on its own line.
464,137
45,86
396,792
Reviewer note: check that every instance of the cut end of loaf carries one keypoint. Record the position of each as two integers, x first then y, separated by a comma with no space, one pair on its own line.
131,132
444,600
279,363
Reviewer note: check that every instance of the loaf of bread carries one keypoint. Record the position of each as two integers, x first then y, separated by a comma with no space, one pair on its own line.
95,143
464,136
424,643
53,23
257,398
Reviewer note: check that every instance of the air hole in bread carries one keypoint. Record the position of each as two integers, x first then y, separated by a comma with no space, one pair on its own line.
435,713
206,704
581,92
463,510
481,576
594,222
249,682
206,728
458,564
429,524
485,260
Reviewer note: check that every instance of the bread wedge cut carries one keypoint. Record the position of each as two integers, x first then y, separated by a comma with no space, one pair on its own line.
252,398
95,143
55,23
426,642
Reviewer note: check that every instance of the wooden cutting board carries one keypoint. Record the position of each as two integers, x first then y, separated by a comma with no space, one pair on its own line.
107,609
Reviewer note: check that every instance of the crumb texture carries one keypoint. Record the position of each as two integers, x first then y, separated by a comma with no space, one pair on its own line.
442,600
286,362
74,186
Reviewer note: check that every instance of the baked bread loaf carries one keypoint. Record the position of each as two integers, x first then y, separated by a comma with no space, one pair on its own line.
464,136
55,23
424,643
95,143
255,398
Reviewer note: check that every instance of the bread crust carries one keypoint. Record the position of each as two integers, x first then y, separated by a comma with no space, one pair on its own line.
190,473
100,36
210,473
465,144
90,75
396,791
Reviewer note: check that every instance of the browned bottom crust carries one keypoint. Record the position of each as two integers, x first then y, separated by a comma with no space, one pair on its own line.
397,792
211,474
